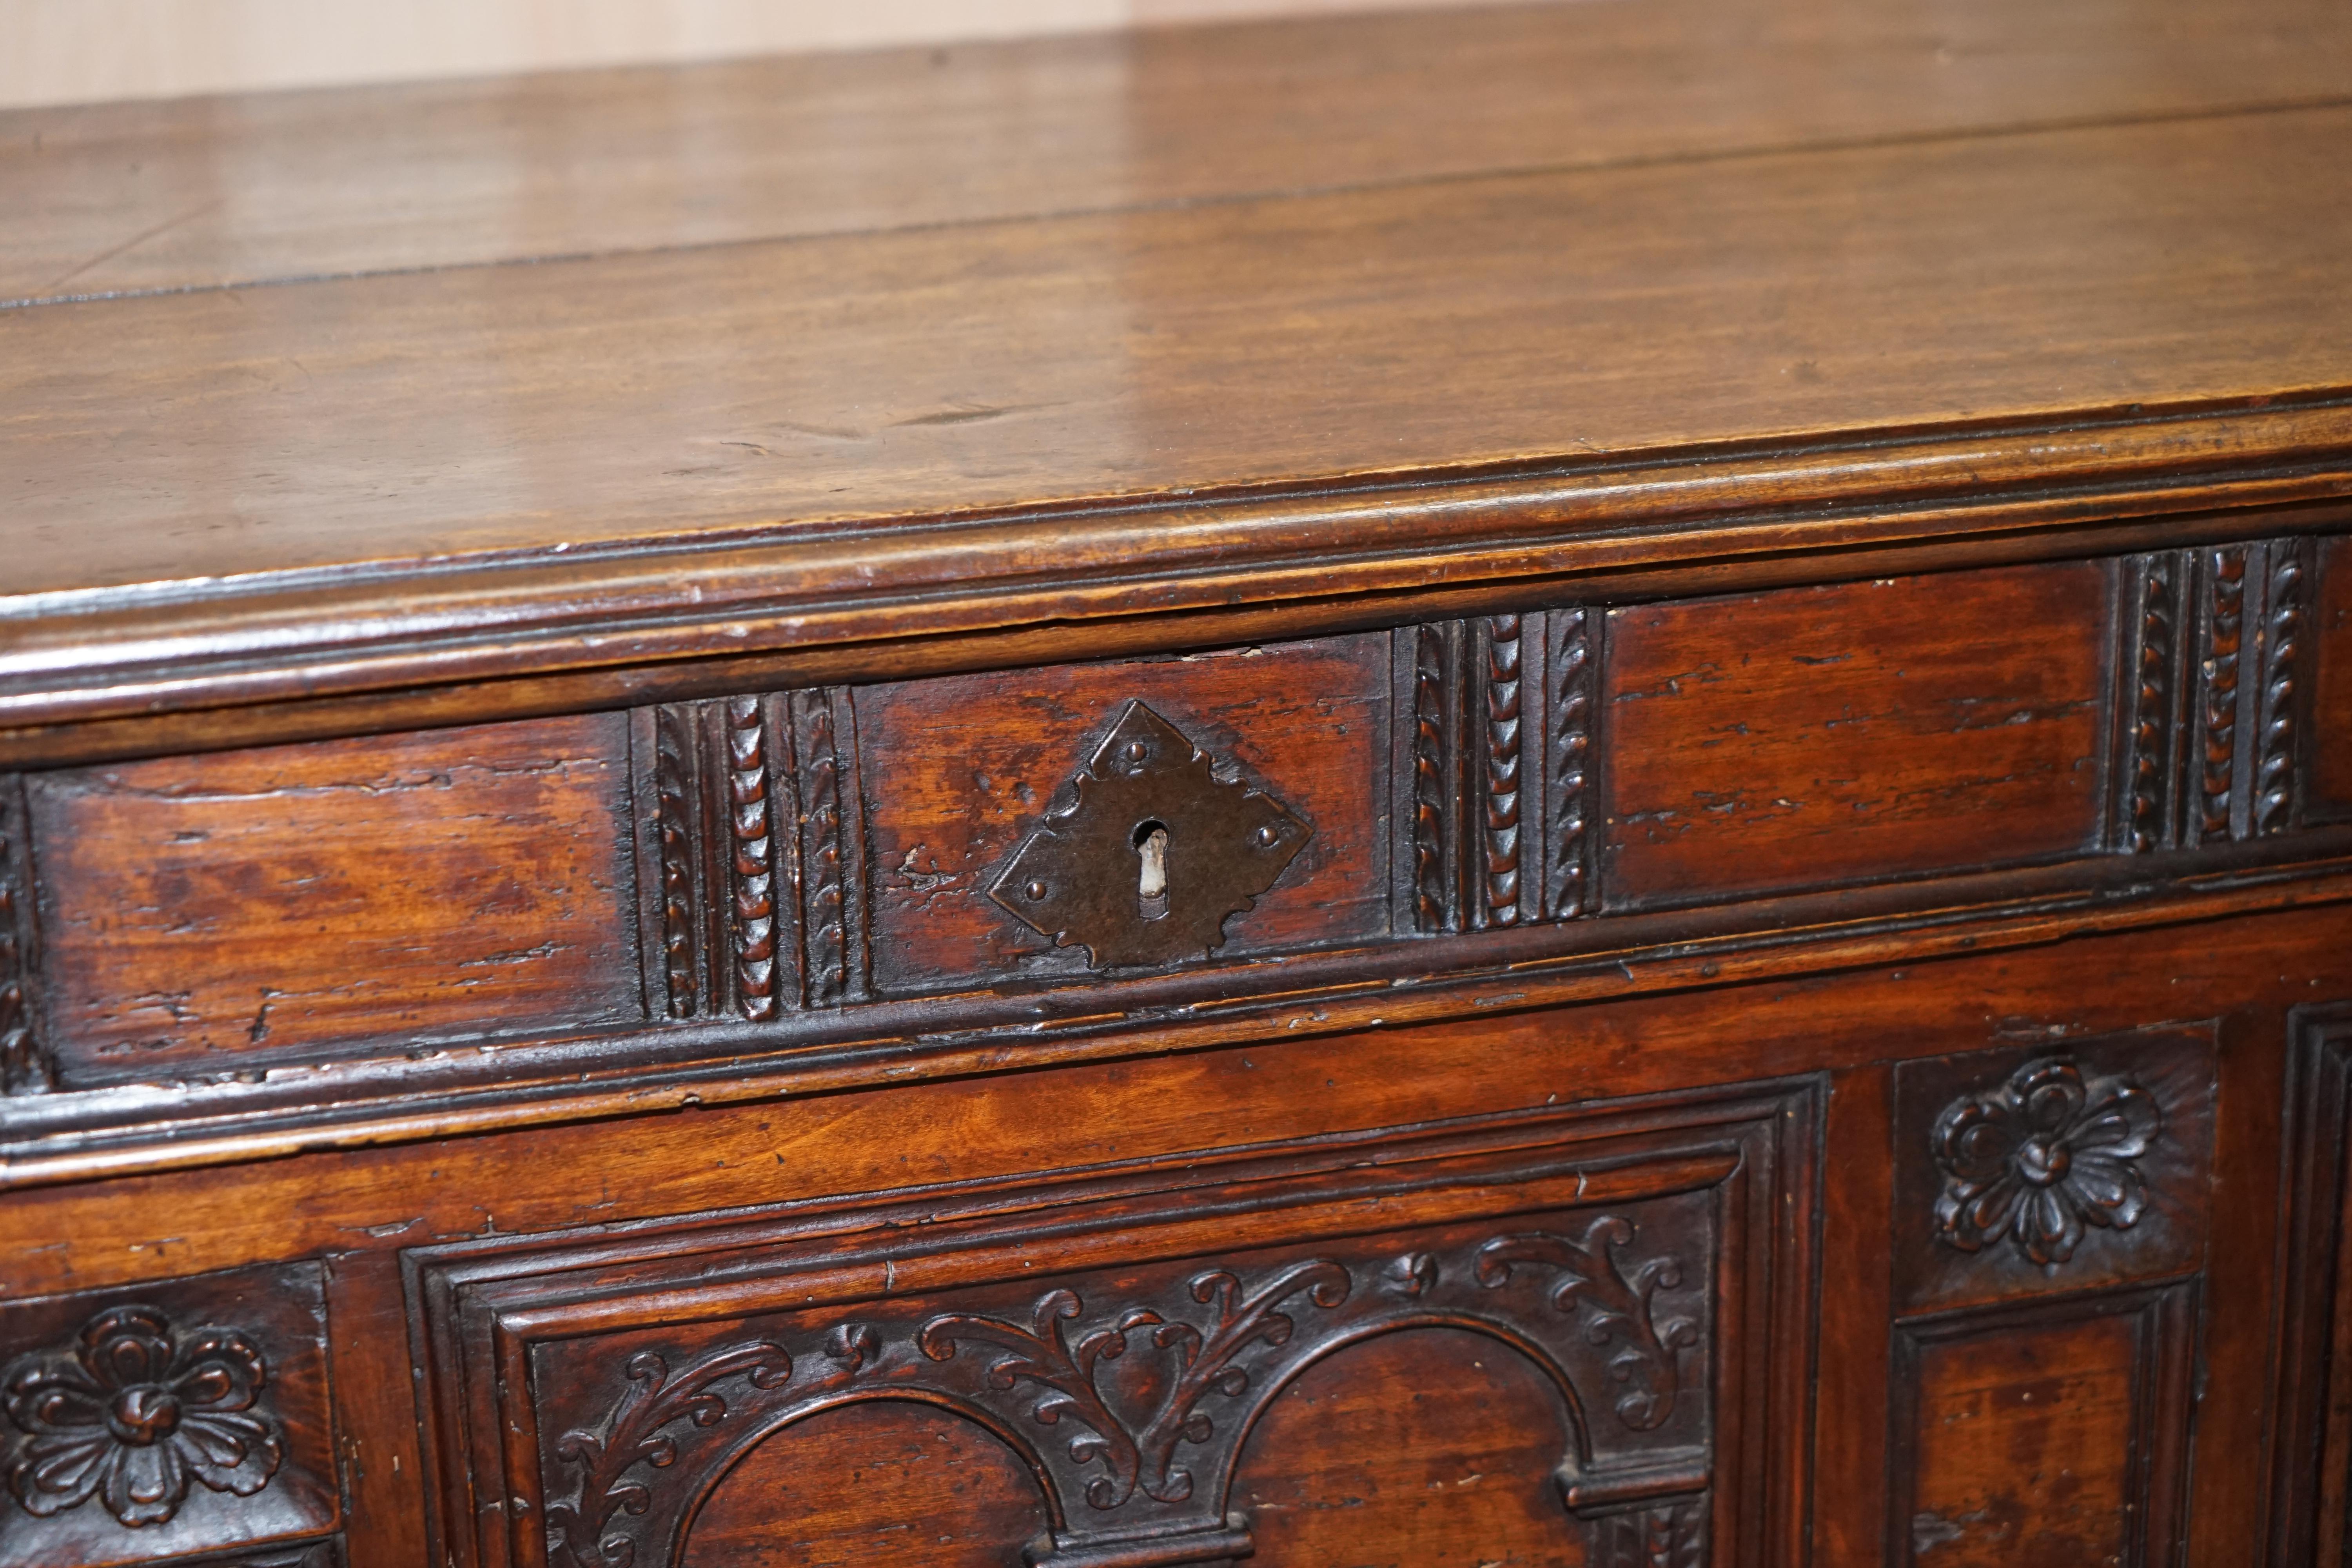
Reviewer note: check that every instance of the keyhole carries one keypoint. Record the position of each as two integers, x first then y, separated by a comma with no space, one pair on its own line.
1152,878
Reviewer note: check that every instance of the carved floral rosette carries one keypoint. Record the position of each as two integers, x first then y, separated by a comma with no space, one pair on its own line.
2042,1160
135,1415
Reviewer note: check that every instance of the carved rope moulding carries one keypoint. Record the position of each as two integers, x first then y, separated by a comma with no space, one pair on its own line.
2042,1160
1133,1408
135,1415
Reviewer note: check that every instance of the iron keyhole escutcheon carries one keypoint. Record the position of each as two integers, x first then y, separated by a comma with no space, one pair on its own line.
1153,853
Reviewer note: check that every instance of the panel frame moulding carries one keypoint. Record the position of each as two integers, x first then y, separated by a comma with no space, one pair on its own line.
785,1310
2164,1315
2311,1429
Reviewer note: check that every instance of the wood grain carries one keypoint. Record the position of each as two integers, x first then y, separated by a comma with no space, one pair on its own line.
191,194
924,1487
2329,619
961,770
270,906
1816,736
2042,1441
1432,1448
412,422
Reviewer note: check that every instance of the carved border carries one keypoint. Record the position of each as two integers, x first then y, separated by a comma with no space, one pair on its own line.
2211,661
1429,706
1503,775
1570,731
2150,668
809,1287
25,1066
754,857
2274,791
2311,1433
1496,720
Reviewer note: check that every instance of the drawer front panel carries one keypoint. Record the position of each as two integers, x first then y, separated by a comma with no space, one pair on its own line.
962,772
1044,857
211,913
1613,1303
2330,714
1815,736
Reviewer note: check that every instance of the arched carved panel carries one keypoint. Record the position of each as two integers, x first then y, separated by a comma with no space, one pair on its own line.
1125,1344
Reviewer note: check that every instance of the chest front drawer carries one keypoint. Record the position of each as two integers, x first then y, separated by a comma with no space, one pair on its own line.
1172,838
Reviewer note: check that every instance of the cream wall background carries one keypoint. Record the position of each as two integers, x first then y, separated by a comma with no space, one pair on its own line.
75,51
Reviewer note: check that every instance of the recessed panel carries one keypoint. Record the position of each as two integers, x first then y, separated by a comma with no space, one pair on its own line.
2331,729
1810,737
2046,1437
221,913
962,772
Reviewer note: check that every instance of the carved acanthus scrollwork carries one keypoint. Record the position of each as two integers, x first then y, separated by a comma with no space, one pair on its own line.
2042,1159
1141,1457
136,1413
640,1436
1621,1310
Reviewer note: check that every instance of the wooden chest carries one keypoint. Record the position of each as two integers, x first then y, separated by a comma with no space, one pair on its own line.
1564,786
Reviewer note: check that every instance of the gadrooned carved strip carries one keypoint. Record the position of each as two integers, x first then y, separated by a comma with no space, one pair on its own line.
1573,670
1499,746
1434,788
1605,1309
756,840
2212,647
678,836
2221,647
2271,810
24,1067
818,751
2044,1158
1497,717
136,1413
753,863
2144,820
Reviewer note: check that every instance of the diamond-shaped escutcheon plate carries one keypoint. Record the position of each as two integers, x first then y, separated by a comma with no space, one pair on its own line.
1095,876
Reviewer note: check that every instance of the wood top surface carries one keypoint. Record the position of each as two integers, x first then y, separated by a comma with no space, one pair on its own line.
990,336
